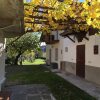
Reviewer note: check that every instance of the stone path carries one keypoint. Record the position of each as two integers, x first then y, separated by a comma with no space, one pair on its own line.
30,92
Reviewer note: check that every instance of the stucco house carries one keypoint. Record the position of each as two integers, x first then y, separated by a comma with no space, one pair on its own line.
52,47
82,58
72,55
11,25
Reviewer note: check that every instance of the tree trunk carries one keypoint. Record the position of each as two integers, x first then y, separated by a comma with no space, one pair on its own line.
16,59
20,60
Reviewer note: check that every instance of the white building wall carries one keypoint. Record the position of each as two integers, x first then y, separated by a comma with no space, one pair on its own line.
69,56
60,52
2,61
48,47
58,45
92,61
54,46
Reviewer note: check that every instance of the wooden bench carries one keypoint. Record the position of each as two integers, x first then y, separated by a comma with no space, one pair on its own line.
5,95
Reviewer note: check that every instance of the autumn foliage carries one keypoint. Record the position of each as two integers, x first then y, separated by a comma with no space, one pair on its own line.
75,16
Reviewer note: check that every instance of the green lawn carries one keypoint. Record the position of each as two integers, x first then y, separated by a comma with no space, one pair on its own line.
38,74
36,62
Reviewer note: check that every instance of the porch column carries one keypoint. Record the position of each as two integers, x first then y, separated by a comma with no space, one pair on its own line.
2,60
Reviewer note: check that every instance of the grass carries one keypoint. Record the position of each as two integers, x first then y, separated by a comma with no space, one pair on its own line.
38,74
36,62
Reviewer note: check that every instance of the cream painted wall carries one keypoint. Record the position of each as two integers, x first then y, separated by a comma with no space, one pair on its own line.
48,47
57,35
54,46
2,61
91,59
59,46
69,56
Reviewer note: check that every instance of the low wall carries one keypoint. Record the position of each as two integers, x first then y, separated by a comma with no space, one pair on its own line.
92,74
68,67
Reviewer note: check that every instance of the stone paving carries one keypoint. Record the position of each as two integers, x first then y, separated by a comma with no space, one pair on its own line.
30,92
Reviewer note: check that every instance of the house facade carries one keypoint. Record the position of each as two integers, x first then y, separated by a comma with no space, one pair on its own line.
52,47
82,58
78,58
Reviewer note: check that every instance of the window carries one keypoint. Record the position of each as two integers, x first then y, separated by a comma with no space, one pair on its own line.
61,51
56,54
66,49
96,49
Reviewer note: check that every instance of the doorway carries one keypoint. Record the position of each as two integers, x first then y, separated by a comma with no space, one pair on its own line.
80,61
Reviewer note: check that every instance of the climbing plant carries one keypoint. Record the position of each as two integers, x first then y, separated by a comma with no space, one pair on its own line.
75,16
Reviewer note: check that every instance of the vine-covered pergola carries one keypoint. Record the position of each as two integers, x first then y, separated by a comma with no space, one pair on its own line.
74,17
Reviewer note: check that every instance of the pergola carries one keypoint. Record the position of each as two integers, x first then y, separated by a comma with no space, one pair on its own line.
41,16
15,17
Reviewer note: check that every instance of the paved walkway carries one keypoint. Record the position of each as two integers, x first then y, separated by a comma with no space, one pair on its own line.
88,87
30,92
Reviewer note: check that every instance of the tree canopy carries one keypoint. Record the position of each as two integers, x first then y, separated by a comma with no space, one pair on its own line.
75,16
19,45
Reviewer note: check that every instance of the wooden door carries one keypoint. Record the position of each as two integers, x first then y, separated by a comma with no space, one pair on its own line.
80,61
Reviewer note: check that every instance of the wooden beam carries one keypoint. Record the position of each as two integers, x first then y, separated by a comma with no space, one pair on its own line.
38,17
62,23
70,21
46,12
86,38
71,39
66,32
38,22
44,7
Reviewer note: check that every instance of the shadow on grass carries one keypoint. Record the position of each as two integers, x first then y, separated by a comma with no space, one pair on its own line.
38,74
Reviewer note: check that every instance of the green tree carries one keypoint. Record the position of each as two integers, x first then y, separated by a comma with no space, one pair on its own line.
19,45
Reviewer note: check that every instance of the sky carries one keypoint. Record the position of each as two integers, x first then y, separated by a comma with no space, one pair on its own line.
81,0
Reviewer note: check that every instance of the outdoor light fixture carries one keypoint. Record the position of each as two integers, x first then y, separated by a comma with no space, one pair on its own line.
60,0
